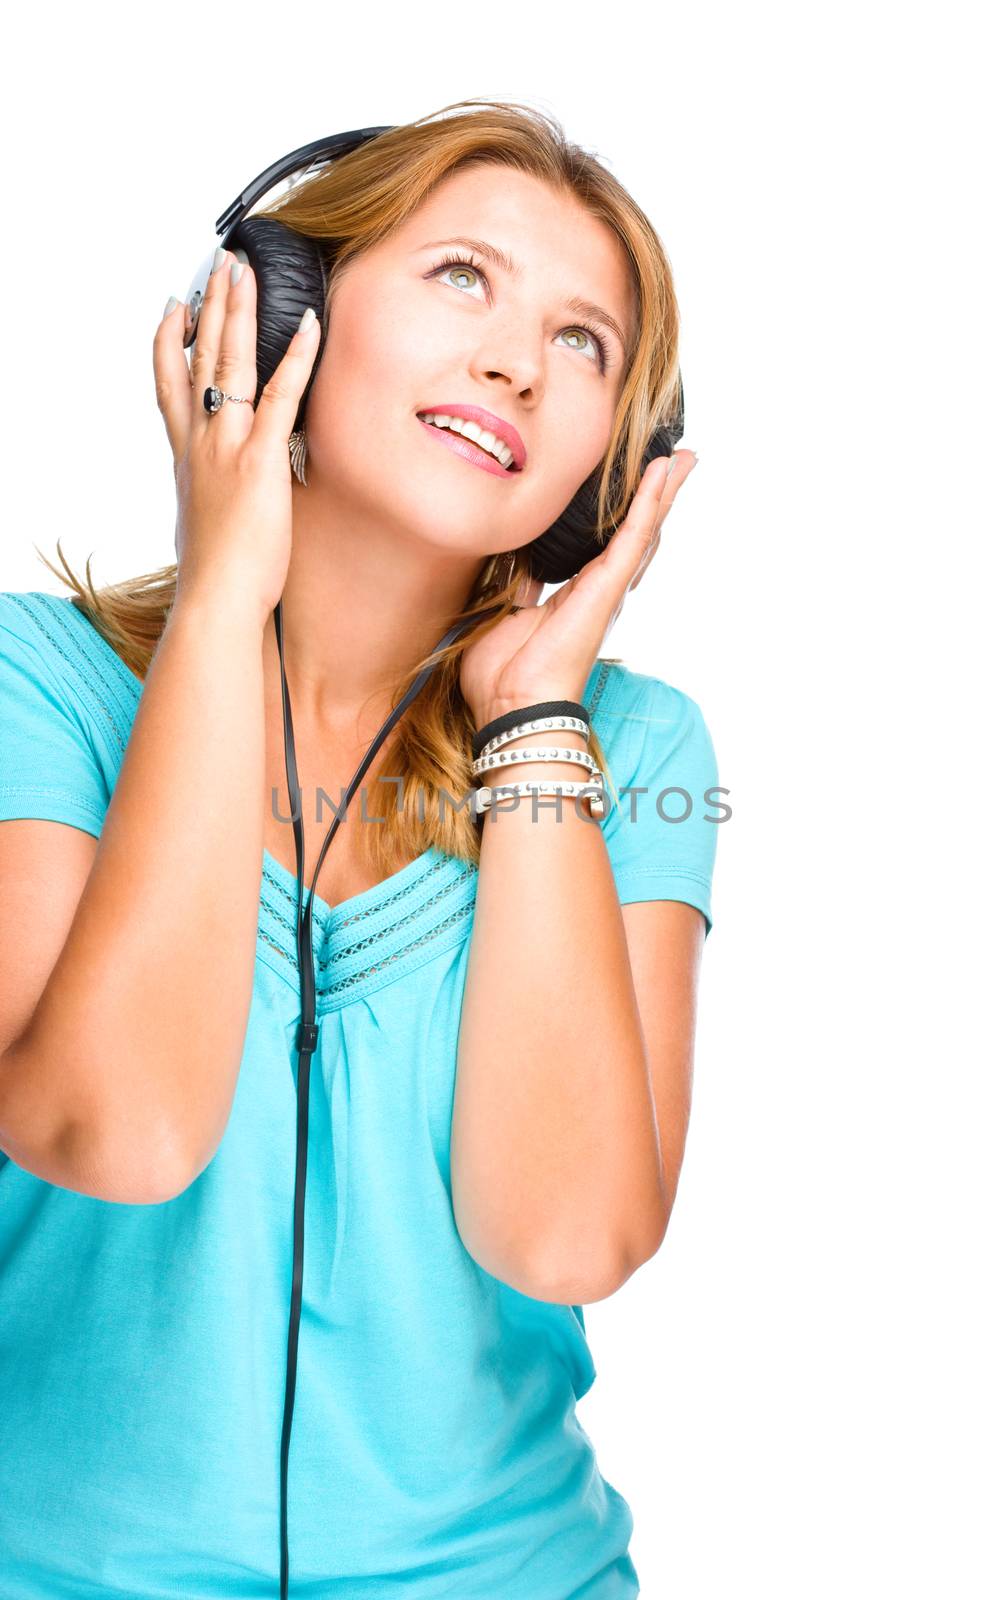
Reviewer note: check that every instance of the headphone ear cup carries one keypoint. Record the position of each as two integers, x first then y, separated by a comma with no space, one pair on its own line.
292,273
571,542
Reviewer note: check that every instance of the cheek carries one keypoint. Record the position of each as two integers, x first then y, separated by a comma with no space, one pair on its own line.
364,344
579,446
373,370
564,459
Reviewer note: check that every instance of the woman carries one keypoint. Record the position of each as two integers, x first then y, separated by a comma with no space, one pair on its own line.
501,1086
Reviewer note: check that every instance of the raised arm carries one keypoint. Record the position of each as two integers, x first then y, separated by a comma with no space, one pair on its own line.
559,1180
123,1009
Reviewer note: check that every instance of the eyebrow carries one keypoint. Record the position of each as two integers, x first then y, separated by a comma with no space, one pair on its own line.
500,258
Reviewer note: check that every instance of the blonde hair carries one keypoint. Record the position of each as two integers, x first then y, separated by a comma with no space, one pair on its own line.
357,201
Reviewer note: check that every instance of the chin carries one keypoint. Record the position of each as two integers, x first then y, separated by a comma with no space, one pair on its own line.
450,515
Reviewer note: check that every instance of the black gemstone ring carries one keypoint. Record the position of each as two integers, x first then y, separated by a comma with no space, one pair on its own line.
214,399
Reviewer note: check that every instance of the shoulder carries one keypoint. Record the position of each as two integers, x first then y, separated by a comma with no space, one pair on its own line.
51,654
17,614
25,645
51,766
637,715
40,650
661,773
44,624
40,643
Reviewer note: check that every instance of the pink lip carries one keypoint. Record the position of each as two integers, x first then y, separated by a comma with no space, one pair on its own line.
467,449
487,420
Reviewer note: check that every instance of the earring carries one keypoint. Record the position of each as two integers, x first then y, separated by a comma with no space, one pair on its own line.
298,455
507,567
496,572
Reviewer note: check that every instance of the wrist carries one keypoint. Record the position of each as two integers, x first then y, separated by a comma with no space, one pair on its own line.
500,707
224,609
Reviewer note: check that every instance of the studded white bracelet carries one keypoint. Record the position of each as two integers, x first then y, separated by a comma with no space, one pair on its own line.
487,795
502,758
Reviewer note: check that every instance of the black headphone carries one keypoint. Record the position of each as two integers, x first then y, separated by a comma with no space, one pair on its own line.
292,272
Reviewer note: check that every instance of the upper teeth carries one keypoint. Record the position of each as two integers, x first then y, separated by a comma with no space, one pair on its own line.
472,430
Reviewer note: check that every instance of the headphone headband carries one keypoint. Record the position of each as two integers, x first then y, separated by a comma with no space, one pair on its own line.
329,148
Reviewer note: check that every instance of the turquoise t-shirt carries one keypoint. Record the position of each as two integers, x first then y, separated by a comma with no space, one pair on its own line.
435,1447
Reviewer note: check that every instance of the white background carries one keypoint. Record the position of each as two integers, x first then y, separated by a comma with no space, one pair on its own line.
795,1395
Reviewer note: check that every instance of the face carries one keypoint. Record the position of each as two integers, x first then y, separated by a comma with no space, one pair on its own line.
408,335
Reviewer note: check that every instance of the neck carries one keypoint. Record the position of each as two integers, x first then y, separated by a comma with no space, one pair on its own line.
358,612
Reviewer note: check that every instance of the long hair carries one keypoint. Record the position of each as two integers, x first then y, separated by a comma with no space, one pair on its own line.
356,201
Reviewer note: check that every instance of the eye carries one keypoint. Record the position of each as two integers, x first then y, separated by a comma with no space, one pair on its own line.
458,267
592,338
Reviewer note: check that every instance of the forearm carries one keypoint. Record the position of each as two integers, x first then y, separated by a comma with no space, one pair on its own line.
556,1165
134,1047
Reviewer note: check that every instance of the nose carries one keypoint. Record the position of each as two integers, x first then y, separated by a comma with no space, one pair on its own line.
510,359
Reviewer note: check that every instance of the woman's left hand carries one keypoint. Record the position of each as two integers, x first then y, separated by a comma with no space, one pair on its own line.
546,652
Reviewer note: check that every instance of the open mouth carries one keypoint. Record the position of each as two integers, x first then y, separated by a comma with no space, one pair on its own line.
469,448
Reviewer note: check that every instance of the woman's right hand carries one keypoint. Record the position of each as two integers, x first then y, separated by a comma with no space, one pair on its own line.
232,468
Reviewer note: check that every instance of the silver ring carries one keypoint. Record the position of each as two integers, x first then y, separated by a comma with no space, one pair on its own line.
214,399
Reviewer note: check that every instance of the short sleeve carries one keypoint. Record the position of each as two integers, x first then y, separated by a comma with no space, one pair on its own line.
662,832
48,766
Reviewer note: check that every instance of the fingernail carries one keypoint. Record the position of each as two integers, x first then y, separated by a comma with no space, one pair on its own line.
219,256
171,305
236,272
307,318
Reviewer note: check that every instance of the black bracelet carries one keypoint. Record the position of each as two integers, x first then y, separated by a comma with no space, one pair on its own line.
511,719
